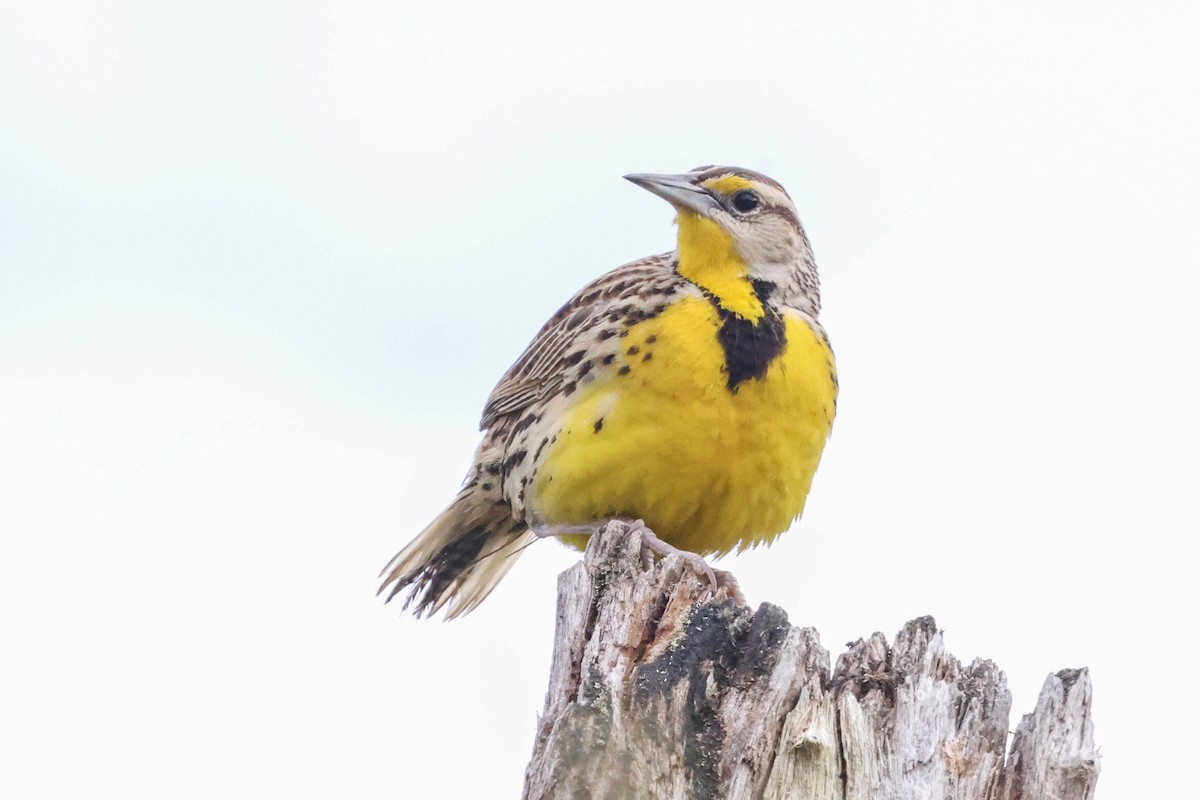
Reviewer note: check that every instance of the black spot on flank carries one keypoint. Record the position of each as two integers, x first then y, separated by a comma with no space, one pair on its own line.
513,460
599,424
661,307
633,351
523,423
537,454
647,356
568,387
623,334
651,339
613,317
493,469
608,359
623,370
607,333
575,357
487,487
585,368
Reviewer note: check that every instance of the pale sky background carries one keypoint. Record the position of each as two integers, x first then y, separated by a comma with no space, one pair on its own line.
261,263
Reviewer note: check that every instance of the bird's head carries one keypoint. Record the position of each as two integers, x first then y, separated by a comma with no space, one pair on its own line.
747,214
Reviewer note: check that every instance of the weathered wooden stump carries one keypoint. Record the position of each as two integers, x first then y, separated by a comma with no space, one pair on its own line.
662,688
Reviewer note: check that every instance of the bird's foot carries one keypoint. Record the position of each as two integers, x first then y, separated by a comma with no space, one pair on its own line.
718,579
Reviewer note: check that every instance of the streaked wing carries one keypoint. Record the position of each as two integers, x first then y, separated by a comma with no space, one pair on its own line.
539,371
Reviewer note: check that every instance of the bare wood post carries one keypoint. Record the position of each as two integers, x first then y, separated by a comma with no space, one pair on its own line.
661,688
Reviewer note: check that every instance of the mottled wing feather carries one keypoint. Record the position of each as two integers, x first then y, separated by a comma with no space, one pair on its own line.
539,371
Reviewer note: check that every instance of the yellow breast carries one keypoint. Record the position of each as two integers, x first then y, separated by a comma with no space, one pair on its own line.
665,439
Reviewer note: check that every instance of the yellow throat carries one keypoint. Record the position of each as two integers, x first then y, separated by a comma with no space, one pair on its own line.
708,258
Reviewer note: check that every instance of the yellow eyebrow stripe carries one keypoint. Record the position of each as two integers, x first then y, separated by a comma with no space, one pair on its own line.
728,184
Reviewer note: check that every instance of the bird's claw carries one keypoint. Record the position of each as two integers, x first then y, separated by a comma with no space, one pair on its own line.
653,546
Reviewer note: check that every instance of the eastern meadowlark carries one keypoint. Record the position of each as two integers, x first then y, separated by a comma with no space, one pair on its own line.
693,390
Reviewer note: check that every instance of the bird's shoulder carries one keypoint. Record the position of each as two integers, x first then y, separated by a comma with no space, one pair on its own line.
626,295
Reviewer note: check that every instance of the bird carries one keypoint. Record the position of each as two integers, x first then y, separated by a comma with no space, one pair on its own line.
691,391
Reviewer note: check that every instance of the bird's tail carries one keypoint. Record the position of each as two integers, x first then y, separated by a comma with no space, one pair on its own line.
459,558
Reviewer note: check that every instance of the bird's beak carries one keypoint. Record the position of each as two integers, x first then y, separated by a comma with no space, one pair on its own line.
678,190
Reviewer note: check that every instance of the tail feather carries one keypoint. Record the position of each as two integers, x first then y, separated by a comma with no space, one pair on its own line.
459,558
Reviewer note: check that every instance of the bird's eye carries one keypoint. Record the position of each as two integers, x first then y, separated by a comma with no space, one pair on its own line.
745,201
